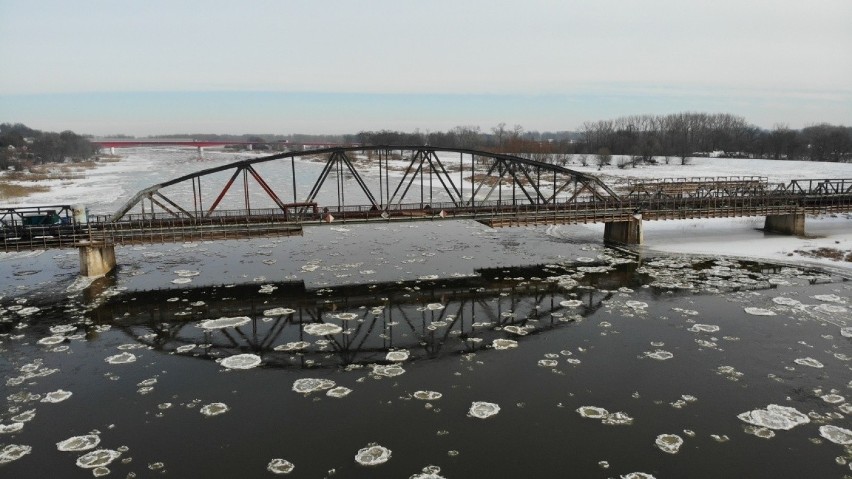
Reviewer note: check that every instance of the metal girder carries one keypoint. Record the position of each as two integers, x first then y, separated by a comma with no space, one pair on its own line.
517,168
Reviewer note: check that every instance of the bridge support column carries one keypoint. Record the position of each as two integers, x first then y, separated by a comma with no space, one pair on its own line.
624,232
96,259
112,150
790,224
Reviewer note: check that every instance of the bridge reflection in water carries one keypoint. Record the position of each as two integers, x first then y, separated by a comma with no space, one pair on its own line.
428,318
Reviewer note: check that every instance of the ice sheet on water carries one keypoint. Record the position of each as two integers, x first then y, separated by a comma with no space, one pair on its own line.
97,458
122,358
835,434
280,466
483,410
830,298
759,311
293,346
427,395
224,322
669,443
10,428
214,409
387,370
775,417
703,328
322,329
399,355
504,344
811,362
787,301
13,452
241,361
79,443
659,355
830,308
373,455
309,385
338,392
56,396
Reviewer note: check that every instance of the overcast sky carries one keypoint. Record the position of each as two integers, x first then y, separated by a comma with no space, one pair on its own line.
333,66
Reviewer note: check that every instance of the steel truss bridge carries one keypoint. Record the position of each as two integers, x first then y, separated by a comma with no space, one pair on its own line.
406,183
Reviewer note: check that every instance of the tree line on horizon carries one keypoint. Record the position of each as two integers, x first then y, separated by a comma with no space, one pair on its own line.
642,137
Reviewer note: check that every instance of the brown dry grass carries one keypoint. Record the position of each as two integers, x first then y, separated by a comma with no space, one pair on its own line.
833,254
20,191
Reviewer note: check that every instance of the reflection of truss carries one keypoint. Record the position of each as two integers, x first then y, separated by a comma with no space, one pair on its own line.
473,311
466,315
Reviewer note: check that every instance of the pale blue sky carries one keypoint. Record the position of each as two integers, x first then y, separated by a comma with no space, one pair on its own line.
151,67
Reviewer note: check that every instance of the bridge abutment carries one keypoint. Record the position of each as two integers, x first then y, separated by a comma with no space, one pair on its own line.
789,224
624,232
96,259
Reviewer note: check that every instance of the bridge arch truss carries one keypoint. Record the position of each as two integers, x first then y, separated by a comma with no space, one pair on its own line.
381,180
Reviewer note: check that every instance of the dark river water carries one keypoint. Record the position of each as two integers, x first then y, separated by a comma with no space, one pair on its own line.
423,350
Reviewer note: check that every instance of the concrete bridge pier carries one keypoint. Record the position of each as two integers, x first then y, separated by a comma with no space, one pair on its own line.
789,224
624,232
96,259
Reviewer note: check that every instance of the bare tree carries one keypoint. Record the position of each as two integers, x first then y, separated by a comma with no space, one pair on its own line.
603,157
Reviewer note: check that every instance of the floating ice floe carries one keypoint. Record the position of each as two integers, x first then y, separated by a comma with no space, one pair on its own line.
29,310
373,455
833,398
504,344
278,312
835,434
775,417
346,316
309,385
56,396
703,328
122,358
338,392
427,395
759,311
10,428
241,361
483,410
830,298
637,305
51,340
434,306
322,329
387,370
429,472
669,443
185,273
830,308
606,417
638,475
181,280
659,355
79,443
267,288
292,346
63,328
224,322
185,348
846,332
13,452
280,466
214,409
518,330
97,458
570,303
787,301
25,416
808,362
398,356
